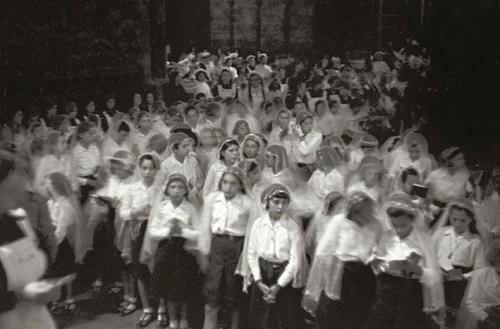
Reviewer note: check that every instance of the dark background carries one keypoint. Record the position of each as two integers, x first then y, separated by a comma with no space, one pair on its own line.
85,49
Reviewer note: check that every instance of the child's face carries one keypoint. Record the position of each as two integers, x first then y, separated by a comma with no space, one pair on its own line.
231,154
89,136
270,160
150,98
122,136
91,107
137,99
243,130
173,120
278,206
192,117
110,103
460,221
148,170
18,117
208,138
185,147
250,149
458,161
226,77
402,225
230,185
284,120
321,109
146,122
176,190
370,176
254,176
307,125
61,145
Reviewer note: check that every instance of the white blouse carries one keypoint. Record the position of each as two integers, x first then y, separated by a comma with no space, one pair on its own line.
322,184
305,151
484,292
87,161
274,241
162,220
64,219
138,196
214,176
50,164
461,250
190,168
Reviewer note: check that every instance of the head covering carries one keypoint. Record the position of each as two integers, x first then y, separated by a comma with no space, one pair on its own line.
415,139
249,57
156,161
186,129
368,141
125,158
263,55
204,54
356,197
328,156
238,124
225,141
177,138
239,174
371,161
279,153
402,201
177,178
254,138
448,154
272,191
198,71
302,116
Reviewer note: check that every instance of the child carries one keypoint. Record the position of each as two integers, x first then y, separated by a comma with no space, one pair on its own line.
277,167
341,284
327,178
459,249
409,285
275,249
87,158
70,232
306,142
144,131
224,220
174,227
228,156
135,211
251,147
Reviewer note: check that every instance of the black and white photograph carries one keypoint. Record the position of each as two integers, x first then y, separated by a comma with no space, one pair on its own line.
250,164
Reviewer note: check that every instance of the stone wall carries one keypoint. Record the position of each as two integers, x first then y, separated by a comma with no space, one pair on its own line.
236,24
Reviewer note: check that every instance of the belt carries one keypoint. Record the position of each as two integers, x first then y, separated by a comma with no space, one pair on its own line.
228,237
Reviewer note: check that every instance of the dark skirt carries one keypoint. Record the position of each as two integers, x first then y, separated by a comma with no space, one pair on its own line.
108,260
286,312
398,304
175,276
140,270
454,290
352,310
64,263
222,285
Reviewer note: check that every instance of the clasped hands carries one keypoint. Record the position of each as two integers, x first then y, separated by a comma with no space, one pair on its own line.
269,293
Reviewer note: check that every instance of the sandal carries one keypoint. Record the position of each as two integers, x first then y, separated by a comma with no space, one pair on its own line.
129,308
70,307
162,320
145,319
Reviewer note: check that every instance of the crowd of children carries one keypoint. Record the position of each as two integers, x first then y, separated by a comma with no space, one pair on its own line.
271,192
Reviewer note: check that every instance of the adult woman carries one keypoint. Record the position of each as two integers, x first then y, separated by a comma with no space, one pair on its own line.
225,217
135,211
341,286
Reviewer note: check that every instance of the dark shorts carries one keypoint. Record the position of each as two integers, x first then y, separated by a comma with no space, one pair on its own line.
222,285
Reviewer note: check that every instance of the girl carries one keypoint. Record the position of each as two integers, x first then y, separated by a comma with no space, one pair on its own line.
241,130
225,88
174,227
327,178
282,130
118,139
254,94
316,228
238,111
207,151
70,230
87,158
369,178
144,131
256,185
341,284
305,142
251,147
459,249
277,167
409,286
224,220
228,157
56,159
481,308
202,83
267,116
275,250
324,121
134,212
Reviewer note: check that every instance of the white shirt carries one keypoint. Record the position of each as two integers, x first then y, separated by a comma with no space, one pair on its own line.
422,165
142,140
274,241
305,151
484,291
110,147
50,164
447,187
87,161
373,192
64,219
326,124
461,250
323,184
161,223
138,196
264,70
214,176
190,168
117,188
203,88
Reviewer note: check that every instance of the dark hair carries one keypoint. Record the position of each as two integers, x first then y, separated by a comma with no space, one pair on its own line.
142,114
190,108
226,145
123,127
58,120
70,107
198,96
169,182
149,157
396,212
171,111
469,213
408,172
